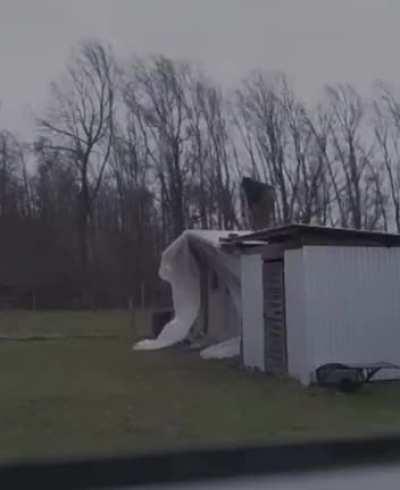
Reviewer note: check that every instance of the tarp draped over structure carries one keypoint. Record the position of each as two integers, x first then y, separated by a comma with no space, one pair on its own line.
180,268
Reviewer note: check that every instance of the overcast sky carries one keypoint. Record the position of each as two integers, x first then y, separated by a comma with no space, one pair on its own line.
313,41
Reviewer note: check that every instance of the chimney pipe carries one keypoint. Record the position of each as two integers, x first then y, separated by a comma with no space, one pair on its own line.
260,203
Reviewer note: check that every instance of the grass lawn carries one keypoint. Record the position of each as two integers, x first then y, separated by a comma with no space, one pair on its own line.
89,394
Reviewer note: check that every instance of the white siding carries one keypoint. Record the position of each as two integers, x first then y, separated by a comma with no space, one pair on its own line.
232,317
295,315
216,310
252,311
352,297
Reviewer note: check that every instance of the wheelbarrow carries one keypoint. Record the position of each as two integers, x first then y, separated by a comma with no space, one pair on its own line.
350,377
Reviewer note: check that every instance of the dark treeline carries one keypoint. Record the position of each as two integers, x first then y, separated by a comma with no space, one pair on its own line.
126,156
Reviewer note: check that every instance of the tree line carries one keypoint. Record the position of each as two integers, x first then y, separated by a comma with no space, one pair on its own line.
126,155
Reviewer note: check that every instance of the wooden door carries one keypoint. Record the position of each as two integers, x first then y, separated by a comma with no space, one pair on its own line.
274,317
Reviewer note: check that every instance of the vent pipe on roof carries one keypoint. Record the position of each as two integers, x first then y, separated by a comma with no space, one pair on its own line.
260,203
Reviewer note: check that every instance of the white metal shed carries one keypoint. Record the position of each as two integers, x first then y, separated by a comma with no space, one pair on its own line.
313,295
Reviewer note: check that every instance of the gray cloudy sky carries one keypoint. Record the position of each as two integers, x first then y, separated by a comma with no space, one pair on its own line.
314,41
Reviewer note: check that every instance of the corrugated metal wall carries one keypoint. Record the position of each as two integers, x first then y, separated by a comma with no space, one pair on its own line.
342,305
352,304
252,311
298,365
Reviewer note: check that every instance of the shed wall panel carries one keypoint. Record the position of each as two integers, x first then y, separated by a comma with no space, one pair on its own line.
352,297
298,365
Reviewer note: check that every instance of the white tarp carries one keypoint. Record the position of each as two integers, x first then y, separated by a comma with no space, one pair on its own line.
180,268
228,348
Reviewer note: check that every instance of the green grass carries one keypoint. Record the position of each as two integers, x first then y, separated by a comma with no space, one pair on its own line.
94,396
20,323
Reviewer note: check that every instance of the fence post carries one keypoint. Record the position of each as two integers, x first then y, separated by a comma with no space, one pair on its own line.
132,312
142,295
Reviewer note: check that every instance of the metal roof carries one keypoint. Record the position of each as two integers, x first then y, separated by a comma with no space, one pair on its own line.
299,234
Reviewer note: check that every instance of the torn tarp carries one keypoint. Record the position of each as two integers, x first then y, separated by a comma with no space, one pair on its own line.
180,268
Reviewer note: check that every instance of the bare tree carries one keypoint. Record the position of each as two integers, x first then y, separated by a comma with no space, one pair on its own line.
134,214
181,117
123,164
319,124
277,141
386,123
309,189
347,113
353,169
157,90
79,123
15,198
260,113
219,157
